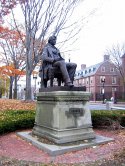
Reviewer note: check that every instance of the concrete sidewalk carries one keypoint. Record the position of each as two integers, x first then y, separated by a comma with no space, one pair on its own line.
101,102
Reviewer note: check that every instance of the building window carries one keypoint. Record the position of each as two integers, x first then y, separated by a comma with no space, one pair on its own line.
83,81
102,69
113,80
82,73
112,69
102,78
91,80
101,90
87,81
80,82
114,89
85,71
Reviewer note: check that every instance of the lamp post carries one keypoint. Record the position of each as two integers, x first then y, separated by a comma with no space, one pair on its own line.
35,78
103,90
69,58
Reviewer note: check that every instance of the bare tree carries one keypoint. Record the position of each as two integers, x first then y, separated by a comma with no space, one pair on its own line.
13,53
42,19
116,52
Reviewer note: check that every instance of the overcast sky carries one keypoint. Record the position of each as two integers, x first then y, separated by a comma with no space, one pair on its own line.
104,28
100,31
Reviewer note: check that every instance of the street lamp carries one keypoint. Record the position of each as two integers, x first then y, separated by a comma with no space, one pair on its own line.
35,77
69,58
103,90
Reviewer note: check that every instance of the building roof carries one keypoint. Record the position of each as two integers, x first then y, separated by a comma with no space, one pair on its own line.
88,71
123,56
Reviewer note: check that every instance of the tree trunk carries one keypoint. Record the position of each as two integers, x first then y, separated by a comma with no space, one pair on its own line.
0,93
28,94
15,88
11,87
124,90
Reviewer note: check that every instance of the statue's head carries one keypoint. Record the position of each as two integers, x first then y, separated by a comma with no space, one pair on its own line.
52,40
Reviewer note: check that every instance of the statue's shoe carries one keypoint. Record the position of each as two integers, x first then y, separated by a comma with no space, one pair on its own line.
69,84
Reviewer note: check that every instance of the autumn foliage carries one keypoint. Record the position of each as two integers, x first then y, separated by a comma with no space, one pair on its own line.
10,71
13,37
11,34
5,7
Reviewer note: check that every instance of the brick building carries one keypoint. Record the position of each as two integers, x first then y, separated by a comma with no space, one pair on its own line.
101,79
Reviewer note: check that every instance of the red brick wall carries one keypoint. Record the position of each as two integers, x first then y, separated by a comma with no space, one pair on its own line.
94,85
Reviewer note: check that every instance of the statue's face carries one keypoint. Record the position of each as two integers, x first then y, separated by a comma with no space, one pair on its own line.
52,40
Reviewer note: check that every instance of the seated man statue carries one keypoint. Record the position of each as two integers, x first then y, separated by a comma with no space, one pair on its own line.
51,57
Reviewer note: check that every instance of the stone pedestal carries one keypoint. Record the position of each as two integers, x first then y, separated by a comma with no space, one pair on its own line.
63,116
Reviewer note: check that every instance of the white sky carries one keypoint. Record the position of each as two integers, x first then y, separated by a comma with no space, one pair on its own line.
105,28
101,30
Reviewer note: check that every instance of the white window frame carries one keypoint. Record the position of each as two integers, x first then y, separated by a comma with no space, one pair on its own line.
103,69
113,80
102,78
112,69
114,89
87,81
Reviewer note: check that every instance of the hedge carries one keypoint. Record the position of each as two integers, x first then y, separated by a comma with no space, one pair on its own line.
14,120
103,118
22,119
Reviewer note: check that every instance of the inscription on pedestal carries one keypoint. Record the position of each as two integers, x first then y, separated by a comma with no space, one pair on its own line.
76,112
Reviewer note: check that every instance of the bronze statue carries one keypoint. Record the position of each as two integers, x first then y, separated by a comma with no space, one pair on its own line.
51,57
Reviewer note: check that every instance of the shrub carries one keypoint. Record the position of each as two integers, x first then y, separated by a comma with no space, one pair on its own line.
108,118
14,120
21,119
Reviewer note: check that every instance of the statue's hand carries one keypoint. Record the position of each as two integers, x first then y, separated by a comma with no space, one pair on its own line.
58,59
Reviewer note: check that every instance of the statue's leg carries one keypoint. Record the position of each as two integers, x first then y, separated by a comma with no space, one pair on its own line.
51,82
71,67
65,74
45,83
59,81
51,76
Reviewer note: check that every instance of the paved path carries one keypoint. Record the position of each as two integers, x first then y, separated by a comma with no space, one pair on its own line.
101,106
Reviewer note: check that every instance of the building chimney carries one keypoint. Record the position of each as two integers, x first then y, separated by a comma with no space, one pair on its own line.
106,57
123,61
83,66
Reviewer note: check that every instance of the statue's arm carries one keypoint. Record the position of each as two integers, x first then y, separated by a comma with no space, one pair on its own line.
61,58
46,57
